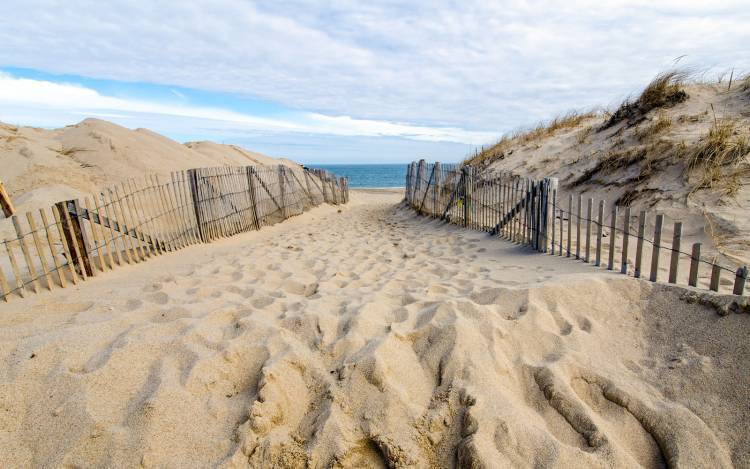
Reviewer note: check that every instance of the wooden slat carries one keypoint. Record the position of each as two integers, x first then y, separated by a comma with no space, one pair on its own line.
39,249
127,242
109,209
4,289
167,217
173,194
158,214
51,244
26,254
5,203
142,224
95,234
14,268
67,249
133,222
106,249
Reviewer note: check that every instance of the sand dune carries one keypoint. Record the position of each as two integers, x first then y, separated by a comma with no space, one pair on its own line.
41,167
362,336
643,162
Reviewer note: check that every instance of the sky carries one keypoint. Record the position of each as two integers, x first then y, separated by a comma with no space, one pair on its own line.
349,81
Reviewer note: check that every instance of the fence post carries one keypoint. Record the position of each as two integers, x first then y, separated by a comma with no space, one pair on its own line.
639,244
625,242
5,203
438,181
466,171
715,277
578,228
695,258
75,235
676,237
599,234
612,239
570,223
739,280
589,216
655,251
194,193
554,219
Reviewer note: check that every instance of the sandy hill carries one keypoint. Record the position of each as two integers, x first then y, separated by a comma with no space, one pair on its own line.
680,148
44,166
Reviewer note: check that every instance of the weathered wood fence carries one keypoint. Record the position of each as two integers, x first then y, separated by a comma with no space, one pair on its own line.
527,211
142,218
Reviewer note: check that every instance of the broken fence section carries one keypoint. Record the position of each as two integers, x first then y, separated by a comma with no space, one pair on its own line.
141,218
527,211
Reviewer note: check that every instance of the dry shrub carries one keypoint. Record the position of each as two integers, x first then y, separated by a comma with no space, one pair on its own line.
667,89
655,127
718,158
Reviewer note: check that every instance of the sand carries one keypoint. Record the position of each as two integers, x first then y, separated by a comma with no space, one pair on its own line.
363,336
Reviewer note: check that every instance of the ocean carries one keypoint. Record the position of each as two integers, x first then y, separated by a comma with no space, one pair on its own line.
368,175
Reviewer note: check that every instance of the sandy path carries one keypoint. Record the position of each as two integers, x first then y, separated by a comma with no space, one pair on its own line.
367,337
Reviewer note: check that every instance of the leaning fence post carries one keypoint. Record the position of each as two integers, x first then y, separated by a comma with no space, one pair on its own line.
655,251
739,280
74,233
675,252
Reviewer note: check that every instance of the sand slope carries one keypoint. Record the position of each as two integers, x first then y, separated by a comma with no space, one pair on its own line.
41,166
642,163
361,336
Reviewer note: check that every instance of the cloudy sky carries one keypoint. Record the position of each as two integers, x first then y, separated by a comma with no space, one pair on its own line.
348,81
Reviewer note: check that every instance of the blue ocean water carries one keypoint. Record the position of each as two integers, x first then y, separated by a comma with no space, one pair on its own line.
368,175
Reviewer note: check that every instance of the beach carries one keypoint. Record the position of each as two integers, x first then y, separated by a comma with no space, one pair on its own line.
361,335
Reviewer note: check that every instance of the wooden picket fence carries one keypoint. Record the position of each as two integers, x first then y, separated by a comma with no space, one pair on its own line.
131,222
526,211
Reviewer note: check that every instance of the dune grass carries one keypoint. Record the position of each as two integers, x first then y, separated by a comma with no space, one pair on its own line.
656,127
719,158
666,89
569,120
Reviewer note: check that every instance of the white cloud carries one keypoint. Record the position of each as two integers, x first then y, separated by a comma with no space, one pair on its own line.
41,97
473,64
